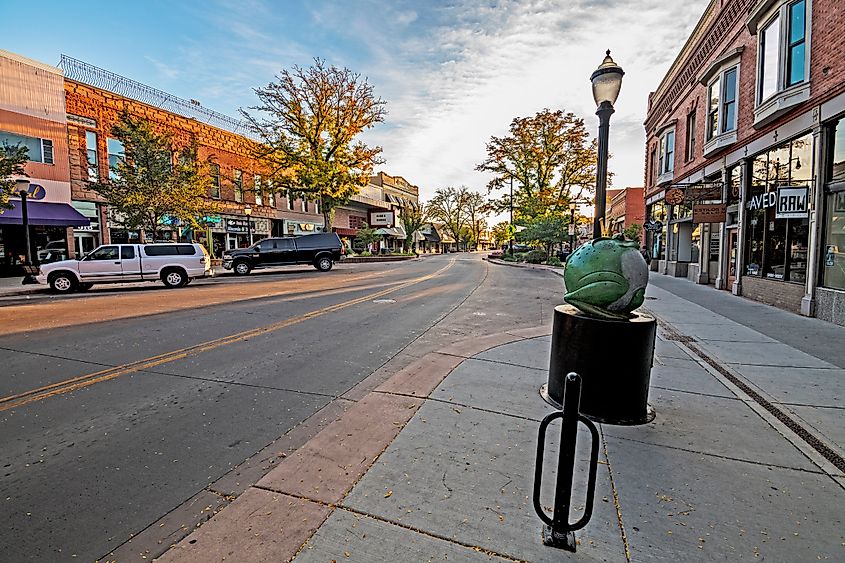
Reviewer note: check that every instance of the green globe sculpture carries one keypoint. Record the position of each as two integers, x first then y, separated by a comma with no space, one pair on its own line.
606,278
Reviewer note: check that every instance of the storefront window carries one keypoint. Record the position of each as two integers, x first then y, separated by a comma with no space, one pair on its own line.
833,274
657,239
777,246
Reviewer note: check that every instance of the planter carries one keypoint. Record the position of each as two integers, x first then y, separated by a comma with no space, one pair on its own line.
614,361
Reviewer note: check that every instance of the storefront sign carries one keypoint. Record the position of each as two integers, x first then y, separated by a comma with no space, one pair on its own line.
80,120
703,192
792,203
762,201
381,219
709,213
238,225
675,196
652,225
656,197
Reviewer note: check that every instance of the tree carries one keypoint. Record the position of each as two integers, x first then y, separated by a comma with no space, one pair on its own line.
448,206
366,236
309,118
501,233
550,159
148,186
12,160
477,210
633,232
413,218
547,231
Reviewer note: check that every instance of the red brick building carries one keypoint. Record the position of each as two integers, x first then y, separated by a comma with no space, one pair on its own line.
745,155
95,100
625,207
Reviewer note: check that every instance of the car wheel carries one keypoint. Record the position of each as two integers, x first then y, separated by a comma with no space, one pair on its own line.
84,286
242,268
174,278
323,263
63,283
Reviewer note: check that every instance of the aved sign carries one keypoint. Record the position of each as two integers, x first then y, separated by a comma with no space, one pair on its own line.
791,202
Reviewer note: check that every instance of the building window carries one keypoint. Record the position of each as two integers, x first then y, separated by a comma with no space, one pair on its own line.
721,104
39,150
666,158
833,257
783,53
91,153
214,170
271,194
304,205
690,147
777,247
290,201
238,182
259,197
116,156
652,171
317,206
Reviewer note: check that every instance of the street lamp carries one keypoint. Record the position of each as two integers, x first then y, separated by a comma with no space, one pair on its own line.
22,189
510,225
572,207
248,213
607,81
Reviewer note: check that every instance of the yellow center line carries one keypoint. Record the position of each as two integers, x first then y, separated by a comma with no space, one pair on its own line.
61,387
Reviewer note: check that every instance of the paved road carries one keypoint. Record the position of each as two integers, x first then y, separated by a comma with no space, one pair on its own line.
117,409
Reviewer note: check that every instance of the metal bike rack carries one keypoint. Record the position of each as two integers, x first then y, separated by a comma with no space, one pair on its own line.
558,531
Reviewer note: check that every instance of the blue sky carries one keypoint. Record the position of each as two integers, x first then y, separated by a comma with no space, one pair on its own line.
453,72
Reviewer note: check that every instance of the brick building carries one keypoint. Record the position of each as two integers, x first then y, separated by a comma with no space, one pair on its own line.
745,157
32,114
625,207
95,100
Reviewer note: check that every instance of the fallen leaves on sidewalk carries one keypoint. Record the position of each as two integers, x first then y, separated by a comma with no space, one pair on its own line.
388,494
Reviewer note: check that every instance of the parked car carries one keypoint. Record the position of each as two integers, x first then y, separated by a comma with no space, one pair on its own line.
321,250
174,264
53,251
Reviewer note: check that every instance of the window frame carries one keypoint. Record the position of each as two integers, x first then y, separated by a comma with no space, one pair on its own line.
238,184
214,173
690,140
259,196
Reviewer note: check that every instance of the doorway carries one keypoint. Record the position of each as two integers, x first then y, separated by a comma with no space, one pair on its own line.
732,253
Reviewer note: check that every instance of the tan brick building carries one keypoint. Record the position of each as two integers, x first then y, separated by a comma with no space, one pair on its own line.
95,100
745,155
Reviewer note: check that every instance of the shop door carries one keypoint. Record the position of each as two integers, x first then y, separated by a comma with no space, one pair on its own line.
84,243
732,242
713,252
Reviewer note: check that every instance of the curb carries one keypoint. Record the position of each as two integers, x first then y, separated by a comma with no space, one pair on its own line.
12,292
274,518
556,271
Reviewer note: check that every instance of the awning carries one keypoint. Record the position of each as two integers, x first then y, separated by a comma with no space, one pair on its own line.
43,213
344,232
432,237
391,232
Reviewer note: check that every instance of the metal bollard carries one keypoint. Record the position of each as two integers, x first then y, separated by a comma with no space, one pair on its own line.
558,532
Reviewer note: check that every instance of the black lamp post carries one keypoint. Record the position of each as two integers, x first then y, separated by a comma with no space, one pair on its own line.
22,189
607,81
510,230
572,207
248,213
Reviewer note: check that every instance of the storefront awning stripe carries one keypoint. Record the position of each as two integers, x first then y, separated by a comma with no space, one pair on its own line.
45,214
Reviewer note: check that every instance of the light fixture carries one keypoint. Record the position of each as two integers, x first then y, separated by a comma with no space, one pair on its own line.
607,81
247,210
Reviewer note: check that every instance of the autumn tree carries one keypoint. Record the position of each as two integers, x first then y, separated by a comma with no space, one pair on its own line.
501,233
308,120
155,181
461,211
12,160
413,218
550,160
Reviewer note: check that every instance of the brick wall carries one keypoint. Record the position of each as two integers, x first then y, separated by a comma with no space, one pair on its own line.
776,293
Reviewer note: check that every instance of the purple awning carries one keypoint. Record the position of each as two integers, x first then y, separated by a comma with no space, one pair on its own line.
43,213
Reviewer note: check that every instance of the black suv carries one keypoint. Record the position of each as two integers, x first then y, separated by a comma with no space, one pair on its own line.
321,250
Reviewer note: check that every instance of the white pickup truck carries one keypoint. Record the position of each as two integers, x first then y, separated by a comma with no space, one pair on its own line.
174,264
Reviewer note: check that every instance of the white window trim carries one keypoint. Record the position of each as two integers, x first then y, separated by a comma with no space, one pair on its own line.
784,98
722,139
667,174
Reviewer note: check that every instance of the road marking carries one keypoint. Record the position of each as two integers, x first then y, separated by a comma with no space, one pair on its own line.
61,387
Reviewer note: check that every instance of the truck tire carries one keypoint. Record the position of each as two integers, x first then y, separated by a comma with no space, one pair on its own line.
174,277
62,282
242,268
323,263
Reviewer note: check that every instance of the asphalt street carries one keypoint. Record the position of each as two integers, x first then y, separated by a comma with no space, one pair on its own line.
118,407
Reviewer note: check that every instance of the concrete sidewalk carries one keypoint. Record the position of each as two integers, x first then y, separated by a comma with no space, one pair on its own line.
743,461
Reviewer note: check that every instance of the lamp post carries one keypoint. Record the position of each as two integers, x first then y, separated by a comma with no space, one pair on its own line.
572,207
510,225
22,189
607,81
248,213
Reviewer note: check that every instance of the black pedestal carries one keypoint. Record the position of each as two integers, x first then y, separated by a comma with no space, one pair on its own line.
612,357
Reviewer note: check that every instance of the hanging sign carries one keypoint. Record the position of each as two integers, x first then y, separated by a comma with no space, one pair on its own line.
675,196
709,213
652,225
791,202
703,192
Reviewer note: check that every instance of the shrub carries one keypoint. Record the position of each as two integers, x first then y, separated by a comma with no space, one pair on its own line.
554,261
366,253
509,258
519,256
536,257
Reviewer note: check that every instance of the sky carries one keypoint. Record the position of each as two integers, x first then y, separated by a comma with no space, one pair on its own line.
453,72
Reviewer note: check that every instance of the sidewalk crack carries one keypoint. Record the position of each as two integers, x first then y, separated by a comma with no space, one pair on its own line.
615,492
